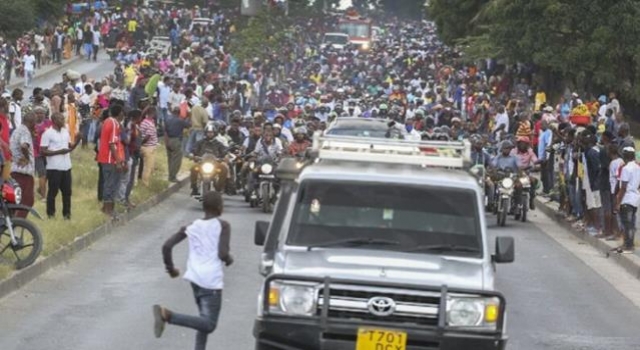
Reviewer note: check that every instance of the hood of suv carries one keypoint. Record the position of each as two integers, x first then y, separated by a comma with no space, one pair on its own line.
386,266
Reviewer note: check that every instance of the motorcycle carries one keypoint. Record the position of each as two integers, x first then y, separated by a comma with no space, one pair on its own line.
503,197
522,197
235,184
208,175
264,191
20,240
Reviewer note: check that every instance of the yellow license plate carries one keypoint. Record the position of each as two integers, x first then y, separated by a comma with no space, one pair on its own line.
381,339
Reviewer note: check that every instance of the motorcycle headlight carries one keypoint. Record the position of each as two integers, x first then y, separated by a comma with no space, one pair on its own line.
473,312
507,183
207,168
292,299
18,194
266,168
524,181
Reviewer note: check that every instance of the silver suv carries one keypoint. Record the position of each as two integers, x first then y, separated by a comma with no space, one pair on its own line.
380,245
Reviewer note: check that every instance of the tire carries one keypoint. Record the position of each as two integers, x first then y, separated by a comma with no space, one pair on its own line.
525,209
206,186
502,215
22,228
266,200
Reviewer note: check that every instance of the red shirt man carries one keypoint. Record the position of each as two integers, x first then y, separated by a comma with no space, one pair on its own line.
4,136
110,135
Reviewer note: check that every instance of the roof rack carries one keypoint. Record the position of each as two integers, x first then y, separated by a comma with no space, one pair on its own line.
390,151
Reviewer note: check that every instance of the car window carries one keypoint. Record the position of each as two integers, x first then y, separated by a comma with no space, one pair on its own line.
359,132
412,215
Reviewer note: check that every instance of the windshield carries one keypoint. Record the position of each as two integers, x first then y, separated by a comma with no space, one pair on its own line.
336,39
413,216
360,30
358,132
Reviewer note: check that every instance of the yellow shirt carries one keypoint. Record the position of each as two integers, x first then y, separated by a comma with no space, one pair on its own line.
132,26
129,76
541,98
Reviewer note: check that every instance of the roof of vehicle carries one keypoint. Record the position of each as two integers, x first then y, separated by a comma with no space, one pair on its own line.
388,173
337,34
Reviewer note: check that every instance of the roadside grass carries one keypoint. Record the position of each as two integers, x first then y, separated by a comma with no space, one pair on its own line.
85,208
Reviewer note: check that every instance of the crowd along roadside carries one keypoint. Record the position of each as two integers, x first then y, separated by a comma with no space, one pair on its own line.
629,262
19,279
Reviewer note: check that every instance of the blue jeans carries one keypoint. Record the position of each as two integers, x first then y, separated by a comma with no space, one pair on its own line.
575,200
628,218
209,303
194,136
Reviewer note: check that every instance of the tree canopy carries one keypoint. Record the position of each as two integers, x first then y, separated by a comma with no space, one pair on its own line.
18,16
586,44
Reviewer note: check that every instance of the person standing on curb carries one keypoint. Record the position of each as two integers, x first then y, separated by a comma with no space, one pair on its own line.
111,157
628,199
209,240
57,147
23,166
173,132
149,143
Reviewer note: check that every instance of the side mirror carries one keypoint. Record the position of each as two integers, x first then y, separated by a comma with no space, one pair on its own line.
505,250
260,234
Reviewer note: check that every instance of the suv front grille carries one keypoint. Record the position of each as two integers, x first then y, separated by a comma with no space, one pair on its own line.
414,307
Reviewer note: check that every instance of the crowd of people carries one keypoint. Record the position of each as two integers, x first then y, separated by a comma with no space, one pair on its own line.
272,104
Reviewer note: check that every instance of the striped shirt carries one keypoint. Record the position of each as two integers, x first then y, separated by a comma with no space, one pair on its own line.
148,133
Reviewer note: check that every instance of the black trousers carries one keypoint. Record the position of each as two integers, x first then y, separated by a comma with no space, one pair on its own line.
59,180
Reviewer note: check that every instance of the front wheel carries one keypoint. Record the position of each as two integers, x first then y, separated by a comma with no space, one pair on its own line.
266,199
28,245
206,187
525,208
502,214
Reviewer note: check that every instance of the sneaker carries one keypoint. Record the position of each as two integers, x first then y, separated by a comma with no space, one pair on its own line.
159,322
627,250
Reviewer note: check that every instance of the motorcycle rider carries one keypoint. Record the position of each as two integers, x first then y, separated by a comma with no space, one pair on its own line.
527,159
212,146
505,160
300,143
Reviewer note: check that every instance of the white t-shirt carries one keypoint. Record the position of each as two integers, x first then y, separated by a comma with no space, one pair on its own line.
55,140
614,170
204,267
96,38
631,175
502,119
29,62
16,110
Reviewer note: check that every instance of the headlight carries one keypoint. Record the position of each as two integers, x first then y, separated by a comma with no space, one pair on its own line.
266,168
472,312
507,182
18,194
366,46
207,168
524,181
292,299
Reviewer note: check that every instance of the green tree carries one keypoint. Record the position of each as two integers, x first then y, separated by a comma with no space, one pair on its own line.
262,33
586,44
47,9
16,17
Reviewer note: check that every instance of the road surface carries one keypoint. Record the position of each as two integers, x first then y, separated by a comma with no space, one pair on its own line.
93,70
101,300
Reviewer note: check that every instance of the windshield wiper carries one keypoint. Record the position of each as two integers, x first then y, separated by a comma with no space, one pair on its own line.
443,248
354,242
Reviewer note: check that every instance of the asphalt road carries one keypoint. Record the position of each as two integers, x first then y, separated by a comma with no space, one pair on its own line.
102,299
93,70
